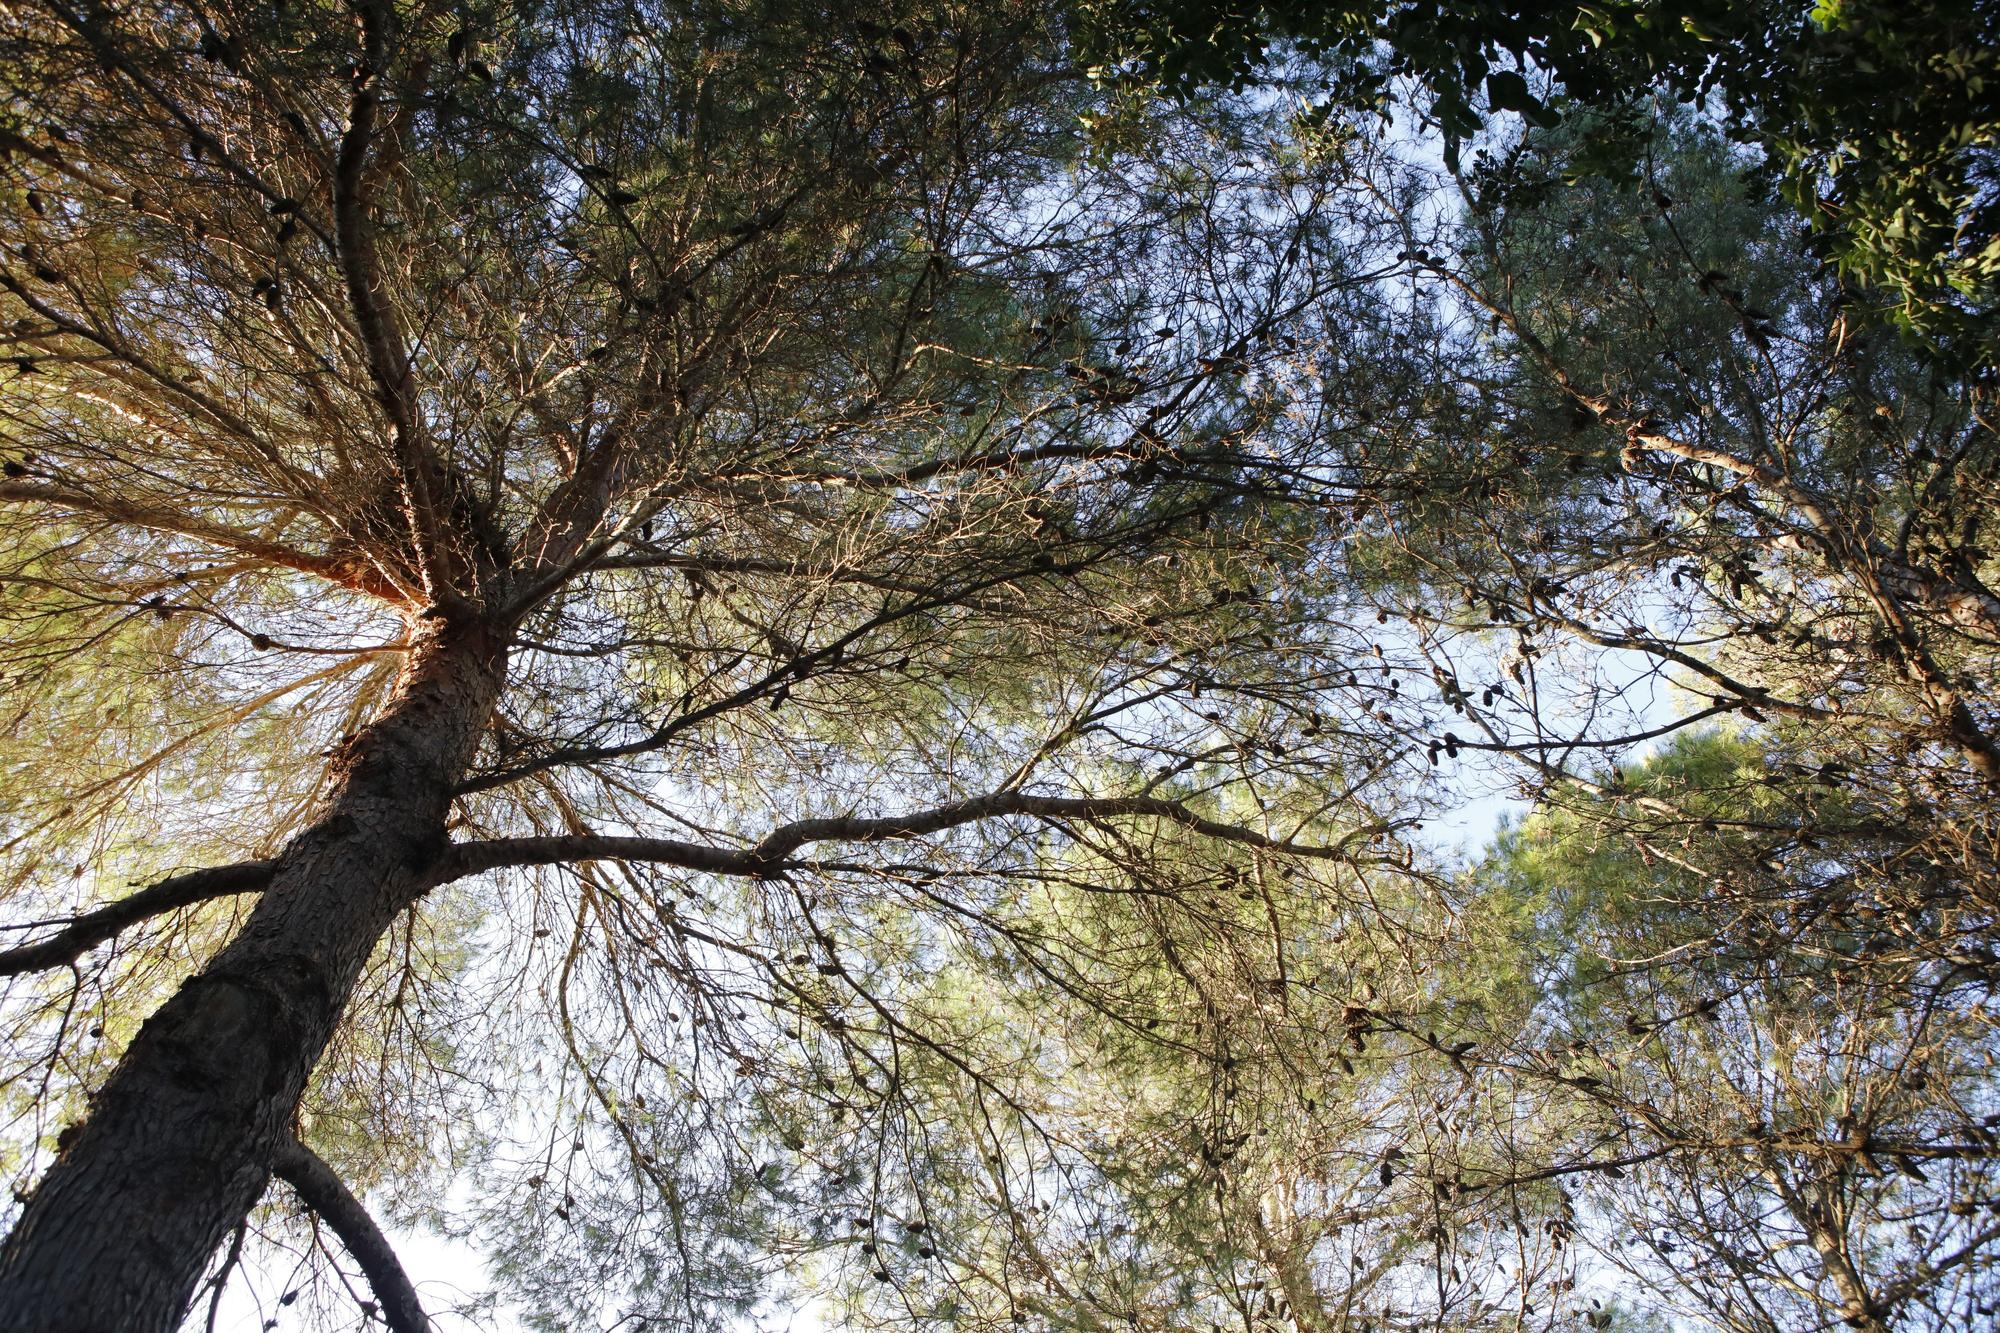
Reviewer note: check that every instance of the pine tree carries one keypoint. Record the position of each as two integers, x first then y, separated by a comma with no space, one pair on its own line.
612,538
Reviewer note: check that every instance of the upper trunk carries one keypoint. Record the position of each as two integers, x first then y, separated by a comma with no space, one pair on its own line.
178,1144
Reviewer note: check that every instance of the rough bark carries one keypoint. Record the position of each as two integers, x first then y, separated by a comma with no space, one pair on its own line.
179,1142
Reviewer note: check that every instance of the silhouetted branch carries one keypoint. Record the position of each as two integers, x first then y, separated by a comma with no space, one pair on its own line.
322,1191
771,853
93,928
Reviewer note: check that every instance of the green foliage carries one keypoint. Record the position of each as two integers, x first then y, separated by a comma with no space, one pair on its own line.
1756,1044
1084,533
1882,118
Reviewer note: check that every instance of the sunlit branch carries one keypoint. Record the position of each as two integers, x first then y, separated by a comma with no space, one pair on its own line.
354,574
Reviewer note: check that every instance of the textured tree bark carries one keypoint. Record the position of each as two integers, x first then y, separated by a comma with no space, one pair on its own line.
179,1142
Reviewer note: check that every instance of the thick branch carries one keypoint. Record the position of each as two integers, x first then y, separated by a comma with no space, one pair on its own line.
93,928
428,488
381,338
772,853
322,1191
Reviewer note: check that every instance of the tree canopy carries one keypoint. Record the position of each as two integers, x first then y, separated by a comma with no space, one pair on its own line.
1880,118
751,657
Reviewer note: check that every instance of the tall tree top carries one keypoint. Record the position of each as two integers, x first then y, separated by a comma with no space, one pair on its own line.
1883,118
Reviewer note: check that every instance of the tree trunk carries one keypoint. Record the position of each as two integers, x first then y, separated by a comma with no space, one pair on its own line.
178,1144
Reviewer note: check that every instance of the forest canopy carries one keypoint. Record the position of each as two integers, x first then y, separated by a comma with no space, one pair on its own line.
1878,117
771,664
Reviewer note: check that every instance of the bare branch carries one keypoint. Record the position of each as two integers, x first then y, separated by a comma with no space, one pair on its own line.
93,928
322,1191
771,854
